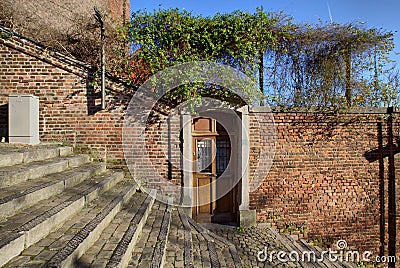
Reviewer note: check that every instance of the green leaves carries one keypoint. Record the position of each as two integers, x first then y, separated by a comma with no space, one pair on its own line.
302,65
168,37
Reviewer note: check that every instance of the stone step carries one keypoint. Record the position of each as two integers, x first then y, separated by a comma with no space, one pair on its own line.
228,254
179,244
205,252
30,225
106,207
63,239
16,197
309,259
16,174
159,254
145,248
288,245
335,264
302,246
115,245
10,156
211,250
123,252
324,262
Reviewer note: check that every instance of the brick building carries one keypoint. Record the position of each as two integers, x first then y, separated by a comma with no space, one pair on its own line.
327,176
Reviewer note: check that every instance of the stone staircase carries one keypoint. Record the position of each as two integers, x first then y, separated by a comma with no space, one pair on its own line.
59,209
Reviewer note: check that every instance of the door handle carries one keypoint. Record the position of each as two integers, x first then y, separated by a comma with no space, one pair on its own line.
212,175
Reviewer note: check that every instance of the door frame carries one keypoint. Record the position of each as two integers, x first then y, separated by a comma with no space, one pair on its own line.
246,217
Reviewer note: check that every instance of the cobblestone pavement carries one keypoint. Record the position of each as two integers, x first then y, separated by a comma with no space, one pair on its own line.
210,250
175,254
249,241
187,244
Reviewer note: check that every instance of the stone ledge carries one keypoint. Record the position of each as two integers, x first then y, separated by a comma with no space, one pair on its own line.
356,110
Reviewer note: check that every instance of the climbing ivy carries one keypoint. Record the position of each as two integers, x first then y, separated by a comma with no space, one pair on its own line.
295,64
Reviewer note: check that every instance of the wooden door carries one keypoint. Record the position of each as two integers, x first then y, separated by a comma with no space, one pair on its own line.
214,190
205,174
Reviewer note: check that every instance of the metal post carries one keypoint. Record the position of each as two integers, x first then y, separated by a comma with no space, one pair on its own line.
382,220
99,18
391,190
103,72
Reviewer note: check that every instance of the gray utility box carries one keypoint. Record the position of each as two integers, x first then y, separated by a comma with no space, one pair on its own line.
23,119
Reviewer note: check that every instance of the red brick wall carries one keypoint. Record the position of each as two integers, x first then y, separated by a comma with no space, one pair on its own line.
69,106
163,144
321,183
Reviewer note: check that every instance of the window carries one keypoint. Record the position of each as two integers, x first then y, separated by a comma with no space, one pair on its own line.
204,155
223,155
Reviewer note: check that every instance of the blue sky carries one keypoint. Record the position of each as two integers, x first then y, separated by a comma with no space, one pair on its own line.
376,14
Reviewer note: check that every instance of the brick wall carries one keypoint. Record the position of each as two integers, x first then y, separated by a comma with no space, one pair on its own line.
69,105
325,180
